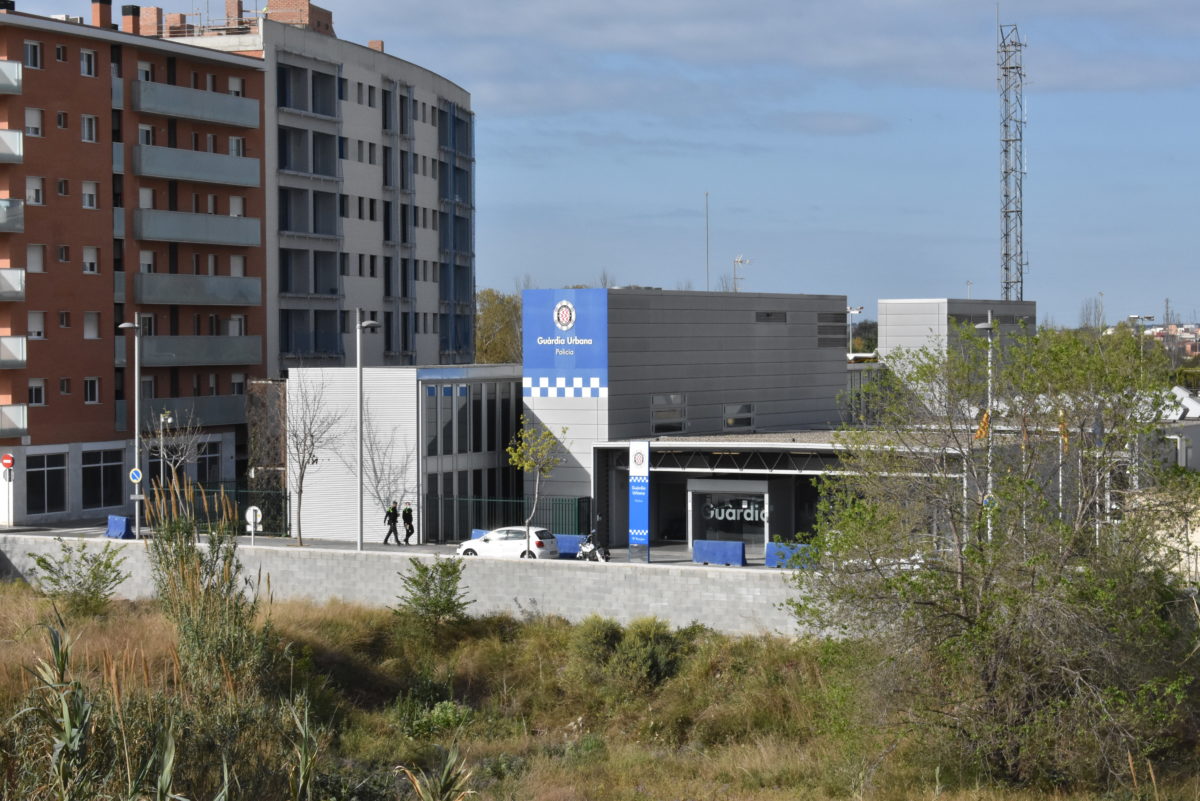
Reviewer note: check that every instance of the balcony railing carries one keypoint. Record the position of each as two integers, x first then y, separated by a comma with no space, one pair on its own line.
201,229
194,104
175,163
12,284
12,215
14,420
201,410
12,353
194,351
10,77
196,290
12,147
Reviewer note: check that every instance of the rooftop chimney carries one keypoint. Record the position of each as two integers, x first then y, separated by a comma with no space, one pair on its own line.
233,11
151,21
376,44
102,13
129,18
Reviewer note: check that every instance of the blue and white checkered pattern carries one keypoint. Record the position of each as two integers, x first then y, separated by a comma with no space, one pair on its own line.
562,387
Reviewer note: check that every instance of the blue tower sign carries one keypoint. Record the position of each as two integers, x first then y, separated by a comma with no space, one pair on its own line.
565,343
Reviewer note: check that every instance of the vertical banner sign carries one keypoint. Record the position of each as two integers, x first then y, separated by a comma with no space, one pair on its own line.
639,495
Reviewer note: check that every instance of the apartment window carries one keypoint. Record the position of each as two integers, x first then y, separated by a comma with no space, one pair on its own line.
739,415
361,205
148,325
63,119
371,208
343,205
64,187
36,324
45,483
372,262
237,266
103,478
237,325
210,143
212,204
91,195
371,96
371,153
37,392
87,63
361,262
89,125
35,258
145,134
360,149
237,87
64,253
344,265
212,384
208,462
60,52
33,55
237,206
146,261
212,82
64,386
341,88
145,197
237,145
64,319
212,263
145,71
341,147
148,387
237,384
668,412
360,93
91,390
91,325
33,122
91,259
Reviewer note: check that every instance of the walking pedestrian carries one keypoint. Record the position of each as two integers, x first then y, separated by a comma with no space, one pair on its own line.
408,523
390,517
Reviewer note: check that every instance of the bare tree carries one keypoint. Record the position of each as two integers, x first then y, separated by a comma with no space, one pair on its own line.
387,465
725,282
606,280
312,427
1091,313
175,439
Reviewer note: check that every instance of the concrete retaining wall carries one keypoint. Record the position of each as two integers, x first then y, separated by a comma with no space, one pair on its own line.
728,599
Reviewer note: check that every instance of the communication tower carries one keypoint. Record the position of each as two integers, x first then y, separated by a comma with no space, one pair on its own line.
1011,79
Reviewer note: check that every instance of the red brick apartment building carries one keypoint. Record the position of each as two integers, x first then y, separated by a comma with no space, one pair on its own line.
131,190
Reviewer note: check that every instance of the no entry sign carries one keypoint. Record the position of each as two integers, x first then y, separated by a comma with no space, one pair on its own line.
7,461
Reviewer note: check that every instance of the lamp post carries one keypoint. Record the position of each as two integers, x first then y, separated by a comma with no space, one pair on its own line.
1137,323
359,325
164,419
988,500
137,418
850,312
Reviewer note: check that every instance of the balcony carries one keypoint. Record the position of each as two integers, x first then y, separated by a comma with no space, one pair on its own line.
12,353
12,147
14,420
12,284
178,164
203,410
10,77
118,223
197,351
194,104
200,229
12,216
195,290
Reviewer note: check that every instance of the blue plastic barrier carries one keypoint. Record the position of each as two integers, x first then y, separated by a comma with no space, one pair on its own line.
718,552
119,528
795,555
568,545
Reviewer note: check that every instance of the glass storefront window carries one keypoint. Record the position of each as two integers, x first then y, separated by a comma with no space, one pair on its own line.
728,516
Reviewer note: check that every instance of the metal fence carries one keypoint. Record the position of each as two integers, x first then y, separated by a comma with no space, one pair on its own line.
450,519
273,503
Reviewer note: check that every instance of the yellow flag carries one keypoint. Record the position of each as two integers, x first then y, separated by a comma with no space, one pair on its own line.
984,425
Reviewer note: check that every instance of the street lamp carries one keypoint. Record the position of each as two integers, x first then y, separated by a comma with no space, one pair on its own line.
137,419
988,500
359,325
1137,323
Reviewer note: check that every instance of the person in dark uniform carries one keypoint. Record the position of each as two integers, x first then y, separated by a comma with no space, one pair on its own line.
390,517
408,522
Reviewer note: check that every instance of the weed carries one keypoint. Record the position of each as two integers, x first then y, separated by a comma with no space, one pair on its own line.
80,579
433,592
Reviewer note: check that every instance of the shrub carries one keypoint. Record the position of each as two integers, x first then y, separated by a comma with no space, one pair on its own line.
648,654
81,580
433,592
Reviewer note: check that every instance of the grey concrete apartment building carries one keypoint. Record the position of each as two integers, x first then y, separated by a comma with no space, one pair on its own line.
369,200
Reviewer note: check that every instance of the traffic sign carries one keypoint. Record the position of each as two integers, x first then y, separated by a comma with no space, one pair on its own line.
135,475
7,461
254,515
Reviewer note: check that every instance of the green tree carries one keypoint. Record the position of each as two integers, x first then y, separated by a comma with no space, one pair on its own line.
866,336
497,327
535,449
1041,627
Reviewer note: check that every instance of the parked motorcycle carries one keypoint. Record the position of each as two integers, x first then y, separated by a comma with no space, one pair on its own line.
589,551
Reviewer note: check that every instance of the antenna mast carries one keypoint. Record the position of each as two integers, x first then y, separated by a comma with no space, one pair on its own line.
1011,79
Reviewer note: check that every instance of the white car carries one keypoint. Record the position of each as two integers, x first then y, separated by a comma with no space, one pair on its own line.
509,542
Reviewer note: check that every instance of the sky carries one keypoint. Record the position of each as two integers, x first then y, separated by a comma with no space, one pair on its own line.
845,147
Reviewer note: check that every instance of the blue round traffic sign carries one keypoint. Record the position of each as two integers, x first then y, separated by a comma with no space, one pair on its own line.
135,475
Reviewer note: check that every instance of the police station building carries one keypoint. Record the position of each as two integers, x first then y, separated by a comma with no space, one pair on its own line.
722,405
